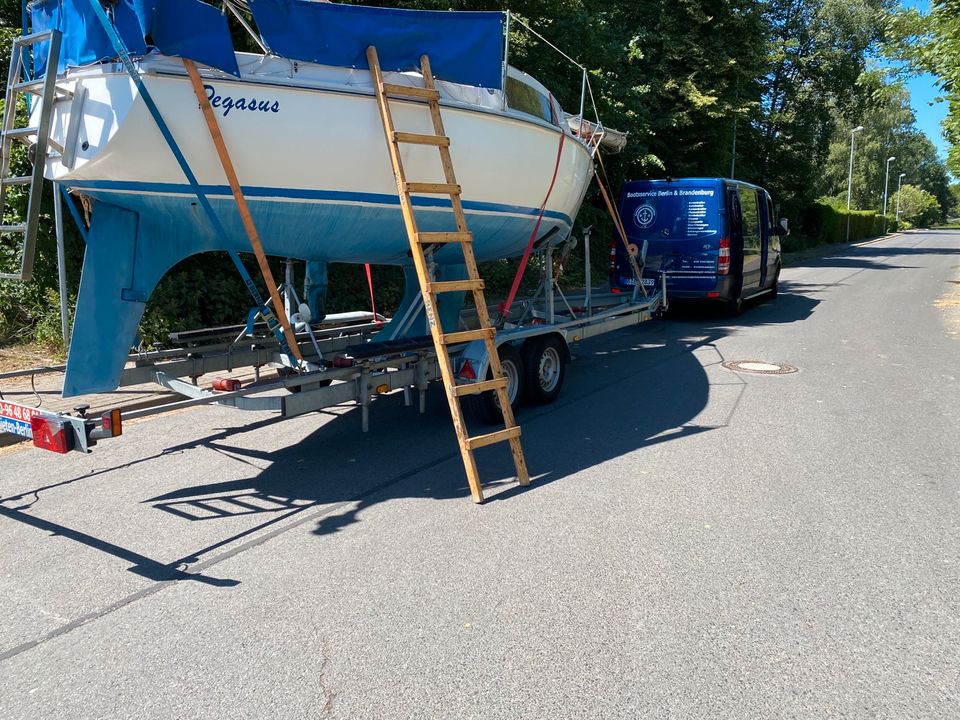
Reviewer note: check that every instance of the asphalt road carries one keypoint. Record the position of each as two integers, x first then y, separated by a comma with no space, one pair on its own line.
698,543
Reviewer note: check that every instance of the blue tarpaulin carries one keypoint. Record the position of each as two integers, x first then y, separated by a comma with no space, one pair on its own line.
464,47
187,28
190,29
84,40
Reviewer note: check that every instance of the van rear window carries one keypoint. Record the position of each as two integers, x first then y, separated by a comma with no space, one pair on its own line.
672,212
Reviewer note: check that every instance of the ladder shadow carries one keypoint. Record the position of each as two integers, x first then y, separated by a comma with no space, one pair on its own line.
624,400
625,392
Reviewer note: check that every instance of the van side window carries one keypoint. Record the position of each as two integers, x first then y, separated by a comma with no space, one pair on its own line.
750,211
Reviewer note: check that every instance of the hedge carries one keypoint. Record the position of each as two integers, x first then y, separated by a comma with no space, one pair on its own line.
828,224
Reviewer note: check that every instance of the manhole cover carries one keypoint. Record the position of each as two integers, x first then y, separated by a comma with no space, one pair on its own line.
760,367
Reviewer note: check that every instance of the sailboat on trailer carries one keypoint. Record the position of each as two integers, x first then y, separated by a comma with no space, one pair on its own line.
303,130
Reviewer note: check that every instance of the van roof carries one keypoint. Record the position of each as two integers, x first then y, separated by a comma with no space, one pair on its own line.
700,181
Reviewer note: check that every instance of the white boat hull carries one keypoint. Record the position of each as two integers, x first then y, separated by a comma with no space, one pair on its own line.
314,165
310,153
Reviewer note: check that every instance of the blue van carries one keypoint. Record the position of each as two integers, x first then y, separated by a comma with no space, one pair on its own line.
714,239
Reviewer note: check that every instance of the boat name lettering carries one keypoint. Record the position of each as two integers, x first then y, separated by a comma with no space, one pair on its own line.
227,103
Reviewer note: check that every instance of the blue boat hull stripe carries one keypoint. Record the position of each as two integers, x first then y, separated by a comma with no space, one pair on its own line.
293,194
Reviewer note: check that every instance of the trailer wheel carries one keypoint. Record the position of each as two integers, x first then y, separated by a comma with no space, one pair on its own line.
546,367
485,407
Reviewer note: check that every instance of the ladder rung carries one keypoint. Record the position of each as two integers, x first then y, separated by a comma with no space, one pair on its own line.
419,139
410,91
454,286
489,439
432,238
35,86
476,388
468,336
29,85
34,38
21,132
432,188
22,180
13,228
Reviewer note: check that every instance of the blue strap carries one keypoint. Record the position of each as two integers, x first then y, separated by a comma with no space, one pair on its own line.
128,65
73,212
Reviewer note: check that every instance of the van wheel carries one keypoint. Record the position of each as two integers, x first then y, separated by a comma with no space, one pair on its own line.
485,407
545,363
734,306
775,288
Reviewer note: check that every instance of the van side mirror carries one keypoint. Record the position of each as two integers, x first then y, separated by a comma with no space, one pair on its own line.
783,229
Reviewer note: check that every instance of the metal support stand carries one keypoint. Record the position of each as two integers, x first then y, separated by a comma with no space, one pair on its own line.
61,264
291,303
365,400
548,283
586,270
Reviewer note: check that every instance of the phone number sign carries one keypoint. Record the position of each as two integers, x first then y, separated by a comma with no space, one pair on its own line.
16,418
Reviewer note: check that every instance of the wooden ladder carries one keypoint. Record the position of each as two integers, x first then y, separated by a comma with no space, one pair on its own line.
429,289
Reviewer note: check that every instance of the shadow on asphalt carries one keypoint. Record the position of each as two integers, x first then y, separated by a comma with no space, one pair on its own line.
626,391
866,256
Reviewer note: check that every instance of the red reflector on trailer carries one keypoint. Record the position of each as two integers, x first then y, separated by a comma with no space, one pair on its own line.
466,372
51,435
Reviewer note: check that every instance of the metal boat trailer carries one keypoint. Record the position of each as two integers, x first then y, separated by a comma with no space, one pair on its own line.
350,367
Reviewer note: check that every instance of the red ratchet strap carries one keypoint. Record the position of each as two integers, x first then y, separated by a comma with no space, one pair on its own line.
373,304
504,307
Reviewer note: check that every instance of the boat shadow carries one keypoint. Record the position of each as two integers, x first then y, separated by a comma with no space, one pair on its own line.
624,392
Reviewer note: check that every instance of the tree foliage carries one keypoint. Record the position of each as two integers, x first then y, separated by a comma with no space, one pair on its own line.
918,207
889,131
771,87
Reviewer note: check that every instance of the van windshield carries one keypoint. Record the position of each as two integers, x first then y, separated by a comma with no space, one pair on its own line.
672,212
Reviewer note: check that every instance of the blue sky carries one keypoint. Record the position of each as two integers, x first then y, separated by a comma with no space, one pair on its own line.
923,93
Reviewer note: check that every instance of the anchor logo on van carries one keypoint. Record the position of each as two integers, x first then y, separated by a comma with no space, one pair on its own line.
644,215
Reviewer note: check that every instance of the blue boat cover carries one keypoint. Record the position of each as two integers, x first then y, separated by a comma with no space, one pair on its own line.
464,47
187,28
190,29
84,40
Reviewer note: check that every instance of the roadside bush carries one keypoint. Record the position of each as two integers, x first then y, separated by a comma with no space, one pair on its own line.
827,224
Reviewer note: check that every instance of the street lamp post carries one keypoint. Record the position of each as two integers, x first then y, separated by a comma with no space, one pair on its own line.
899,185
886,185
853,132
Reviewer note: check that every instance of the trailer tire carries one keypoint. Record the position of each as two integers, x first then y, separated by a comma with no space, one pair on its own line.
485,407
545,364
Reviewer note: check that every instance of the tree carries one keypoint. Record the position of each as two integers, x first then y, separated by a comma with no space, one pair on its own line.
816,51
932,44
917,206
889,130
